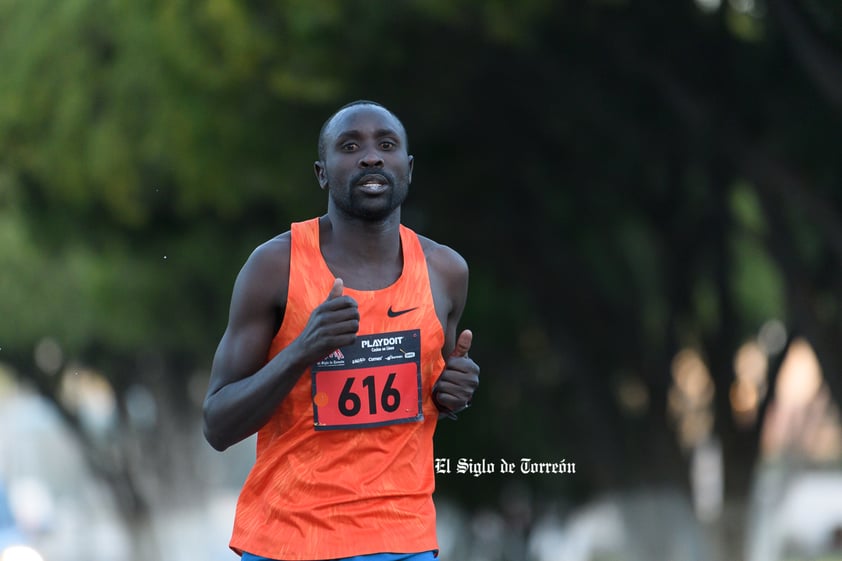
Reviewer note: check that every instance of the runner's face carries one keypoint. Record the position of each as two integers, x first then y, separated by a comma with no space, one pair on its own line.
366,169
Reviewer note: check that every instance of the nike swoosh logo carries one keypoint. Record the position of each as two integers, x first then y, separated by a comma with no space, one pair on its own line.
395,313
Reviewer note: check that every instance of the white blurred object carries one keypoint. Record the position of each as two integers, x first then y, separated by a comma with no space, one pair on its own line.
811,510
707,478
640,525
794,514
31,504
20,553
12,540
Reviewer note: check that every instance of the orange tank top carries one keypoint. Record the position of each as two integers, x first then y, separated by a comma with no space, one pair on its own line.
345,465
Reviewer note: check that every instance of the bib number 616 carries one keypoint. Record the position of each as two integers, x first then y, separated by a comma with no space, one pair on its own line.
350,402
367,397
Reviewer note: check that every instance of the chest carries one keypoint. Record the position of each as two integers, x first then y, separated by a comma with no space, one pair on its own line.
375,276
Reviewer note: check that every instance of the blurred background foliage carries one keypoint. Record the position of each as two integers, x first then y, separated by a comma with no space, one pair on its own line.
627,180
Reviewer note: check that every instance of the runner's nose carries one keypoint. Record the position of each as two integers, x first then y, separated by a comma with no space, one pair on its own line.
371,159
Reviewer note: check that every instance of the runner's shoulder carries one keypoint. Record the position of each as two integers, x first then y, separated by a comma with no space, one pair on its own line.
443,259
268,264
274,251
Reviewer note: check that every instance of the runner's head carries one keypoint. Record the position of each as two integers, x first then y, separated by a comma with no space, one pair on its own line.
364,164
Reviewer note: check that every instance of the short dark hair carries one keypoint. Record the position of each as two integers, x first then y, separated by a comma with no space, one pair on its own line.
322,148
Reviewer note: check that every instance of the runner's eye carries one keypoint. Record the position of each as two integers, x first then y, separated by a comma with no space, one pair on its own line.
387,145
348,147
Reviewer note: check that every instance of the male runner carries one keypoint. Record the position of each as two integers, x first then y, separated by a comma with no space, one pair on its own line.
341,352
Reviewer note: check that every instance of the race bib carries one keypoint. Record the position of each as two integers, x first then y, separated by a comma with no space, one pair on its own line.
375,381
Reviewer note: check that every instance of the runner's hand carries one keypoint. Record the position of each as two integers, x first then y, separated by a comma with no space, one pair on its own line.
455,388
333,324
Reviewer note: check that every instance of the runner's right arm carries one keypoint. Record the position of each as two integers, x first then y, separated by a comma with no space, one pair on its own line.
245,390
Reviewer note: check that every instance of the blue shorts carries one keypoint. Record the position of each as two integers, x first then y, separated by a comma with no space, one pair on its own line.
425,556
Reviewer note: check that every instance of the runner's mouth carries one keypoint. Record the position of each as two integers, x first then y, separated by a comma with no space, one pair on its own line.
373,184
